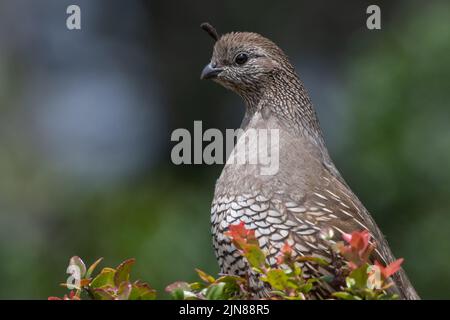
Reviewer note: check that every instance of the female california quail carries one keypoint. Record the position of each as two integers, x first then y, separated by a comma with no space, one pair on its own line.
307,194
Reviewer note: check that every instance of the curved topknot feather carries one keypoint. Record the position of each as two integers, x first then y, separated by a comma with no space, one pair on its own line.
210,29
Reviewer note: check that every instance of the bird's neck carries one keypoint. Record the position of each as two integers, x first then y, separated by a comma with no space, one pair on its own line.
284,96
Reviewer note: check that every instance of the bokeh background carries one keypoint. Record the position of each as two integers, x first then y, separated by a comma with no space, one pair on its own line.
86,118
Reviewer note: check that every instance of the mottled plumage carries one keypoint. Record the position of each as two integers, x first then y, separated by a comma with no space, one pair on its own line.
307,196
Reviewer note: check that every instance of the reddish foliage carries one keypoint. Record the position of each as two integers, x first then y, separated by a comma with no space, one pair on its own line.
390,269
72,296
285,254
358,250
241,236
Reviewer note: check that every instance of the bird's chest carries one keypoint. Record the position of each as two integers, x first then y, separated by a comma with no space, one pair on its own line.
258,213
266,201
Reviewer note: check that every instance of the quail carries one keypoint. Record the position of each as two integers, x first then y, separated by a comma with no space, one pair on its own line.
307,194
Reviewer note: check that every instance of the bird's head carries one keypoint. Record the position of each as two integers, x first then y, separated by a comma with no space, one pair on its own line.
243,61
258,70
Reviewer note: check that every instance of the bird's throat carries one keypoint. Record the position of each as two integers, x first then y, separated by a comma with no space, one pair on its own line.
283,96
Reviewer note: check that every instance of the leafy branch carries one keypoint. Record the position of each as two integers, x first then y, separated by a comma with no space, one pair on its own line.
356,277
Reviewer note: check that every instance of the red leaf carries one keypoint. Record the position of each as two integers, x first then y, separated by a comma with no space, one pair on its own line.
72,296
285,253
358,240
241,236
358,250
123,271
287,249
390,269
347,237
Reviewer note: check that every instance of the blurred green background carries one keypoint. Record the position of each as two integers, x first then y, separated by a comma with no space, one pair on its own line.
86,118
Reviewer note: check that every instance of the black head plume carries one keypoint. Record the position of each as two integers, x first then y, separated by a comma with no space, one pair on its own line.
210,29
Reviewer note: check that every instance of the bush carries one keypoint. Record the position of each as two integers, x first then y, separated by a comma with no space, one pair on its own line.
357,278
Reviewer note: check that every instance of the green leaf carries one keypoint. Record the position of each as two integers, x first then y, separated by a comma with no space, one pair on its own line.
350,282
92,268
105,277
232,284
278,279
297,271
197,286
177,294
142,291
307,287
123,272
319,261
216,292
204,276
103,293
124,291
255,256
76,261
281,294
344,295
327,278
299,296
230,280
384,296
359,277
177,289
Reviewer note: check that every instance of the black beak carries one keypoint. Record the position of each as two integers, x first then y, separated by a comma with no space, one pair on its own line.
210,72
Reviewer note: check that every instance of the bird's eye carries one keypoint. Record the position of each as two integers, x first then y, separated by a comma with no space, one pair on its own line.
241,58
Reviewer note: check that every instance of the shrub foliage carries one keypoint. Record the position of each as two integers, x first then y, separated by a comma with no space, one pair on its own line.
355,276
